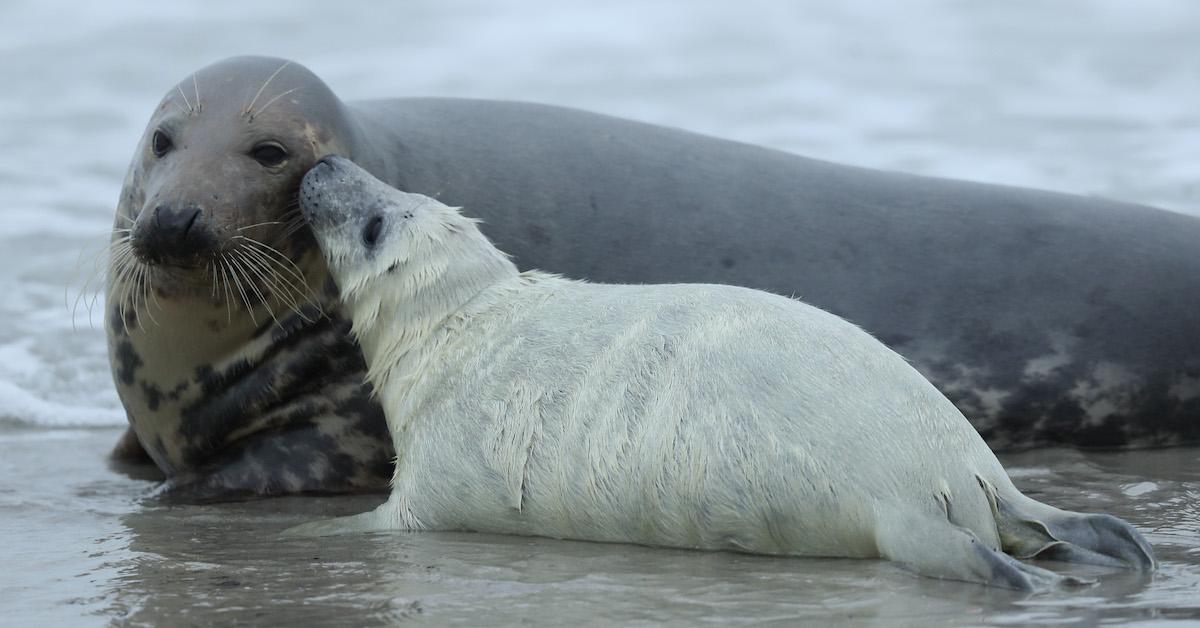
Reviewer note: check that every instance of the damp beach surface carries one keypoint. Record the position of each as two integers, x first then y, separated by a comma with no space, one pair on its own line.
81,550
1083,96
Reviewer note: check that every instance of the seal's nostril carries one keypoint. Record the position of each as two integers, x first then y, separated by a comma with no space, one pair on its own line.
175,223
328,161
191,221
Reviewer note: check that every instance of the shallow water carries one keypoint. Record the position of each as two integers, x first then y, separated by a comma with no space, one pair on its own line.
83,550
1085,96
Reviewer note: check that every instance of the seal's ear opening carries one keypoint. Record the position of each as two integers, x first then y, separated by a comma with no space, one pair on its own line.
372,231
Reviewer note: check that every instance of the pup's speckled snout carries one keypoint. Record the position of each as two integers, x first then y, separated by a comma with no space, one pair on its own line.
314,190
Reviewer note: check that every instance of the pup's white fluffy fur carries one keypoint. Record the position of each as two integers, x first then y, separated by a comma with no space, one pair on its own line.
697,416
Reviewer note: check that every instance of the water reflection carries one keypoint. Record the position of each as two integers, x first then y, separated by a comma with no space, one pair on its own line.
225,563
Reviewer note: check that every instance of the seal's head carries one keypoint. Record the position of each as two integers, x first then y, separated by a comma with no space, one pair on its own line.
395,251
219,166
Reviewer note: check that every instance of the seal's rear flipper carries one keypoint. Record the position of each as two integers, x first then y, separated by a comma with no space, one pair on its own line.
1031,529
937,548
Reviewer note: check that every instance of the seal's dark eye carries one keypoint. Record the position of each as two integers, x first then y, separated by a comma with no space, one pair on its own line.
371,231
160,143
269,154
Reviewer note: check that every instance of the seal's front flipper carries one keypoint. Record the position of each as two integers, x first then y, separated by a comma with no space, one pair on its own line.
363,522
129,450
934,547
1031,529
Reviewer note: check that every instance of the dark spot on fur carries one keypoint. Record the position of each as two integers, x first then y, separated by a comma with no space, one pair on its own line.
368,415
211,381
115,323
152,394
121,327
727,262
128,362
177,392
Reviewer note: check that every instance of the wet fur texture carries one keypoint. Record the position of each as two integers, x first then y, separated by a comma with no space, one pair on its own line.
697,416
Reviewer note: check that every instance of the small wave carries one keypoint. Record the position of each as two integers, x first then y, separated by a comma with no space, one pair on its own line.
23,408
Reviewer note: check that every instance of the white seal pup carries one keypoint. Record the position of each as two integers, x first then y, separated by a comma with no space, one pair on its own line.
688,415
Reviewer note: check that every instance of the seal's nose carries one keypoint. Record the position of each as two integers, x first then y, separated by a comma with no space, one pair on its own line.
175,223
174,236
315,187
327,163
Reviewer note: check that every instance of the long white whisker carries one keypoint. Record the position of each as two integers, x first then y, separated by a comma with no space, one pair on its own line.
250,107
135,285
116,266
117,251
141,281
288,266
283,290
295,225
121,289
187,102
269,102
126,298
228,290
91,275
196,86
237,282
270,262
153,296
237,259
212,272
260,224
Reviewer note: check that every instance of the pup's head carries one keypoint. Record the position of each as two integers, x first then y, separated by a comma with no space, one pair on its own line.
393,250
364,227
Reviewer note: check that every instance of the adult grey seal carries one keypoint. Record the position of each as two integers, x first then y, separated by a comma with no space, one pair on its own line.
686,415
1047,318
228,349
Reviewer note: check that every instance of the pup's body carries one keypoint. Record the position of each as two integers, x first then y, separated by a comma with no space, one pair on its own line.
697,416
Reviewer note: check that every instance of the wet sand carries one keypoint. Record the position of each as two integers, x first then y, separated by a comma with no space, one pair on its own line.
84,549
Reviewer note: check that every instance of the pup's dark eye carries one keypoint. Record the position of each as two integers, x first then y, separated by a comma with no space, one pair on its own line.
269,154
371,231
160,143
